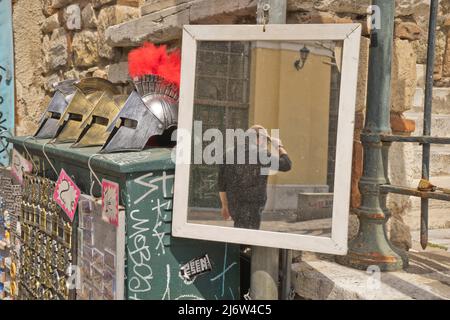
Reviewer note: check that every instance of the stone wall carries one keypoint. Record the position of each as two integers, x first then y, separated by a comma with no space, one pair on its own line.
62,39
411,24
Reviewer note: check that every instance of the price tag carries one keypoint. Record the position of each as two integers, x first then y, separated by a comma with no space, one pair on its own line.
67,194
19,166
110,202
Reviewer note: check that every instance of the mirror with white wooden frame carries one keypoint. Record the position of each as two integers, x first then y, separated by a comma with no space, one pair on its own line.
265,135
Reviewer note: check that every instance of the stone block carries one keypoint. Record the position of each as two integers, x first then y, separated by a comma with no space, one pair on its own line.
85,49
446,66
89,17
116,14
363,73
131,3
412,7
153,6
326,17
101,73
343,6
47,8
400,233
110,16
296,5
72,74
72,17
118,72
408,31
55,50
60,3
51,23
441,100
447,21
312,206
404,79
204,9
99,3
402,126
421,73
158,27
166,25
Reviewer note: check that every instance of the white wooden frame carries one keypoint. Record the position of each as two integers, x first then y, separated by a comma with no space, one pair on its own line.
348,33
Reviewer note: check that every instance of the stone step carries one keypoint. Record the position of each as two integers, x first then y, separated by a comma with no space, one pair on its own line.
441,100
440,237
438,218
425,279
440,123
439,161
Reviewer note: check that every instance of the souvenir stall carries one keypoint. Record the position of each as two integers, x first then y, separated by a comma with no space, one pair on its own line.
95,218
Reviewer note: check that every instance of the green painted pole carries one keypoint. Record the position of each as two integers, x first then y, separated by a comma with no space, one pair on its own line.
371,245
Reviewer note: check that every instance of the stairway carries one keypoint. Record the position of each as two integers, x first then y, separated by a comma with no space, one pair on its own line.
439,215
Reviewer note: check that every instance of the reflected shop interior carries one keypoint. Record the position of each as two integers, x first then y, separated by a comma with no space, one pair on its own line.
289,86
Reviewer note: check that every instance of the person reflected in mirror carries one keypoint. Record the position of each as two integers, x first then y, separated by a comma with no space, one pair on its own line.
243,187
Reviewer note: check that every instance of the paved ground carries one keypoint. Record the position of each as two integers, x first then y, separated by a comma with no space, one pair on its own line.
438,218
437,238
280,222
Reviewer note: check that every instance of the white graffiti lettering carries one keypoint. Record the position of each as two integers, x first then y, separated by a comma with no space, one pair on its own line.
152,186
140,255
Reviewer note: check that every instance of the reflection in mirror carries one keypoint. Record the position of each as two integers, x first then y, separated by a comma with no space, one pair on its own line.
281,100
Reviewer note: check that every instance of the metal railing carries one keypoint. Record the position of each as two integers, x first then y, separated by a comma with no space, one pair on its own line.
426,140
371,246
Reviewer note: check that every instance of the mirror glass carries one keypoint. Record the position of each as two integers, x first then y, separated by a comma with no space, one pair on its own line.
264,135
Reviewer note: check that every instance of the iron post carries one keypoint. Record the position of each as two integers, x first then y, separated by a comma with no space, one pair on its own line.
434,8
371,245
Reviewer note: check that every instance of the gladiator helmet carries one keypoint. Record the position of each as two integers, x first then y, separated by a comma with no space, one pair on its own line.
49,123
152,107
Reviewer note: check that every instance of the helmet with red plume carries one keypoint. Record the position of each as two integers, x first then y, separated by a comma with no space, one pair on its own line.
152,109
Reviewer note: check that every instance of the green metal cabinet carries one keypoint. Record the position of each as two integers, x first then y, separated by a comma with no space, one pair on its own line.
153,257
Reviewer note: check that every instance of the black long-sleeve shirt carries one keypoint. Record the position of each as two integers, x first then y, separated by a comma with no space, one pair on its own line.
244,183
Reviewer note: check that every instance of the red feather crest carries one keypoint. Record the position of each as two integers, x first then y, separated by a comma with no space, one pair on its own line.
150,59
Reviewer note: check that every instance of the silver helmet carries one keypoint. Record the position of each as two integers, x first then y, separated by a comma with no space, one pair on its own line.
149,111
48,125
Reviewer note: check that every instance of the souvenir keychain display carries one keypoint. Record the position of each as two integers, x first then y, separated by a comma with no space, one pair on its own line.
10,198
46,255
